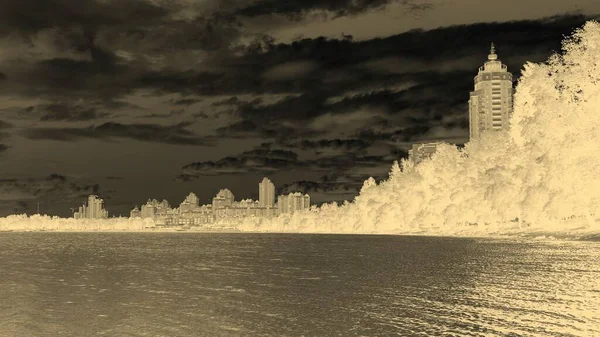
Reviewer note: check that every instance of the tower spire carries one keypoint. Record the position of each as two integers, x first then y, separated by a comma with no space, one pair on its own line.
492,56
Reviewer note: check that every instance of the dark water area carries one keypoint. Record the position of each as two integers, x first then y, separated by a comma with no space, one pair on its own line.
183,284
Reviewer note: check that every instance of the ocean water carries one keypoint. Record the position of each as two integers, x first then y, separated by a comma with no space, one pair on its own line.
188,284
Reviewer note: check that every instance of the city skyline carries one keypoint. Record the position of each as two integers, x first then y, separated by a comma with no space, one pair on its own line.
223,206
191,212
187,97
490,108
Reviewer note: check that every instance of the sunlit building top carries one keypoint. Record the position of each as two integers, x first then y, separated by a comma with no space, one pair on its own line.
490,103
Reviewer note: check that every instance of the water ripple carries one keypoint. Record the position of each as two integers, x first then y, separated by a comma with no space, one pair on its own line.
121,284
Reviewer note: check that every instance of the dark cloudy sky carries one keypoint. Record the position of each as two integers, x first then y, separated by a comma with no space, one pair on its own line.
138,99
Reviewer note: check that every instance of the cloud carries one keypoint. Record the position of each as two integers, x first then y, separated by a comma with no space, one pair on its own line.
68,112
32,16
5,125
413,64
186,101
4,135
79,110
169,114
398,135
279,131
97,49
336,8
232,101
113,57
301,107
259,160
344,144
173,134
349,122
290,70
243,128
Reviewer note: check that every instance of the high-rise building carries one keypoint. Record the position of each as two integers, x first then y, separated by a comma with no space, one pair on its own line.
266,193
490,104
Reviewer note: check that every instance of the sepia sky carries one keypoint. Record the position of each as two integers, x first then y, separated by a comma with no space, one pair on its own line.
139,99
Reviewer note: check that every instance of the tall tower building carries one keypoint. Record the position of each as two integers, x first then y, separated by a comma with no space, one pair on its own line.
490,104
266,193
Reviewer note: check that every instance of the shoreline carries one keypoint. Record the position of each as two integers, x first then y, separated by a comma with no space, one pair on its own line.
591,236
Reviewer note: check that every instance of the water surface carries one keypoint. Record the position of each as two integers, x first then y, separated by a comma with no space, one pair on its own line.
184,284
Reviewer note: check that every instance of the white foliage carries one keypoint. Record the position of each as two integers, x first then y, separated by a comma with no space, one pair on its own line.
544,169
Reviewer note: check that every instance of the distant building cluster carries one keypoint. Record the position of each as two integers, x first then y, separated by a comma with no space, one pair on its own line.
93,210
222,207
490,105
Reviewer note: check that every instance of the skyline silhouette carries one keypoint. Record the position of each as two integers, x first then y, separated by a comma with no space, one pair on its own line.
490,108
162,105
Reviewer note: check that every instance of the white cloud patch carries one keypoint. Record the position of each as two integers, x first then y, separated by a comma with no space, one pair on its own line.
403,65
370,89
339,125
290,70
47,44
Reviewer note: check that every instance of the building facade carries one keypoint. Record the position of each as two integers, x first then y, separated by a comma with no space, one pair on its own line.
222,199
153,208
266,193
490,104
292,202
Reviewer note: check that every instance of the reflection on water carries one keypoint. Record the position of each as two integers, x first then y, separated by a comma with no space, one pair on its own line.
182,284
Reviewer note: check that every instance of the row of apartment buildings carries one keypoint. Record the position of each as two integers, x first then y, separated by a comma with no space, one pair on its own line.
93,210
223,207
